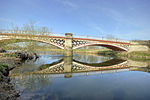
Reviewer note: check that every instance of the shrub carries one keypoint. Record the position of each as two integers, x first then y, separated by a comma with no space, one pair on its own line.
3,67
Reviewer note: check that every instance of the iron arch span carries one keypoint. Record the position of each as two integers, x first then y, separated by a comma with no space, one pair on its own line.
38,40
110,46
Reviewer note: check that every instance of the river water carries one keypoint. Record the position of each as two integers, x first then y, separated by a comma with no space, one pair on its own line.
82,77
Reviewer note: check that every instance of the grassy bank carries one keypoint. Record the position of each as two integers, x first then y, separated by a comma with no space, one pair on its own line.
136,55
7,89
107,53
8,55
48,65
3,68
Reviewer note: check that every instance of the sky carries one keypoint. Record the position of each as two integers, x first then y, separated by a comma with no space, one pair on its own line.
124,19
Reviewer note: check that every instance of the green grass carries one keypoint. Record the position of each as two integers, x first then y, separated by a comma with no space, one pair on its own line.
48,65
140,59
9,55
3,67
138,53
107,53
139,56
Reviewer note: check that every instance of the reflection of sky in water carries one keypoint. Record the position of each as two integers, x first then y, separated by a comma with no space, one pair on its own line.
126,85
48,57
118,86
91,58
45,58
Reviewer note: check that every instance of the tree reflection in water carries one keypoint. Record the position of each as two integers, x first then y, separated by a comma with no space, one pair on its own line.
32,82
91,58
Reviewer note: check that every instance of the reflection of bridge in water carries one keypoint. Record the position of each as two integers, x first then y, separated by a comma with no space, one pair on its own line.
68,65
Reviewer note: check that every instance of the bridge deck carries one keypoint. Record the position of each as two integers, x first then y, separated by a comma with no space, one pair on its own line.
75,38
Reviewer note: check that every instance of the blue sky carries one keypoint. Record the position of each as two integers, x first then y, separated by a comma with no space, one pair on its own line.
125,19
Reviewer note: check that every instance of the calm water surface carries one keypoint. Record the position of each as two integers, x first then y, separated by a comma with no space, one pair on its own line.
131,83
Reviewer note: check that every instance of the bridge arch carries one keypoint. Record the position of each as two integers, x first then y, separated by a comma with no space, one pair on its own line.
110,46
32,39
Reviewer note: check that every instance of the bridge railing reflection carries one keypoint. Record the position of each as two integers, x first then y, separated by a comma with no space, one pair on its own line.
67,66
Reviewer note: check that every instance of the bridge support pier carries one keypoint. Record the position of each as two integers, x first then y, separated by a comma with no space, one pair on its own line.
68,45
68,67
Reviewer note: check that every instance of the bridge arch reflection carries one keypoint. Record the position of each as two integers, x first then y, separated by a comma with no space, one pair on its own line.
68,65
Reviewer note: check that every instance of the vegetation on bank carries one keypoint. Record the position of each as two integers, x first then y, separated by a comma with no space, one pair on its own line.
8,55
3,68
136,55
107,53
7,89
42,67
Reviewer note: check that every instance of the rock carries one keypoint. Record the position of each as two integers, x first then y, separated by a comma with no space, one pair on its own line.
36,55
25,55
30,56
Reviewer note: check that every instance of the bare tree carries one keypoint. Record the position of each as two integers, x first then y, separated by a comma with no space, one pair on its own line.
110,37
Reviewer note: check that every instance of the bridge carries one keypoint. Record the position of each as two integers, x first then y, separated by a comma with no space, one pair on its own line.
68,66
68,42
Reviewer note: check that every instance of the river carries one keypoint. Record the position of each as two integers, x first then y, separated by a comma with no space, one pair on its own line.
82,77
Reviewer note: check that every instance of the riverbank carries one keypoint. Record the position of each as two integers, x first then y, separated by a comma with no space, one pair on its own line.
7,89
136,55
8,61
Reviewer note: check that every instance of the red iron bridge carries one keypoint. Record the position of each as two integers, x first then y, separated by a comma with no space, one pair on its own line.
68,41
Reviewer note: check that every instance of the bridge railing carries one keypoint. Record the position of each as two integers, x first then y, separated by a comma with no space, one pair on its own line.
63,35
35,33
57,34
100,38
